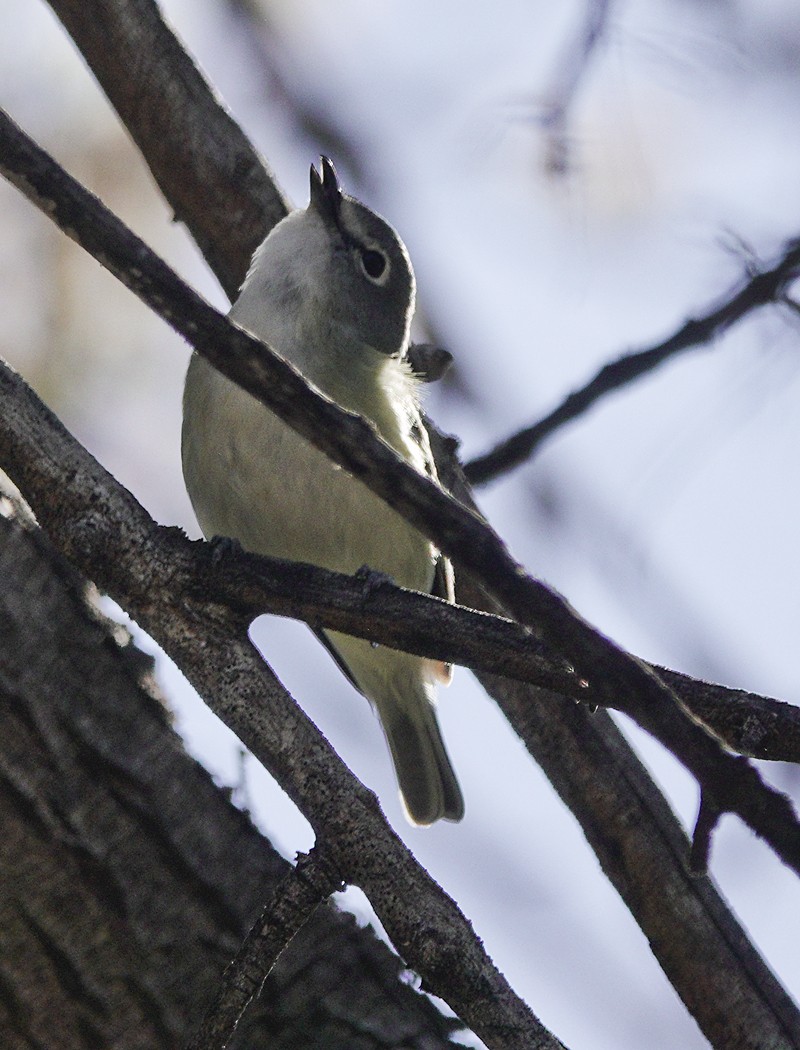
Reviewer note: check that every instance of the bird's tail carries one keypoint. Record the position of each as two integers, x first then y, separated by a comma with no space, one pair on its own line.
427,782
402,688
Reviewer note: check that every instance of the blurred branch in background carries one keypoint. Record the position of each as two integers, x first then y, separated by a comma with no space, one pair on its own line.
570,70
766,287
214,180
310,116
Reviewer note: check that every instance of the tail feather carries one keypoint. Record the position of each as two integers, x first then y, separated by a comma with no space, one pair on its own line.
402,688
427,782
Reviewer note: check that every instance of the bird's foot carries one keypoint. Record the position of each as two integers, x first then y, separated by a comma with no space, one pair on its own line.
371,580
223,547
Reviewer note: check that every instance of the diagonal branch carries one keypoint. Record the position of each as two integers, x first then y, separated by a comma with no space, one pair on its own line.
223,190
617,678
724,992
157,575
571,69
768,286
251,584
100,526
642,849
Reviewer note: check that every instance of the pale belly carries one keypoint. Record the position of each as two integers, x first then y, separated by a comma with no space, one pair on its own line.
258,481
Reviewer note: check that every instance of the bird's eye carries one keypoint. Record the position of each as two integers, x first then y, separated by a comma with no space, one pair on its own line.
374,263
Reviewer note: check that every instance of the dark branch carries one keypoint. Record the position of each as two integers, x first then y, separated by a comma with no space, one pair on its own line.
617,678
249,584
102,529
160,577
769,286
224,193
643,850
292,904
102,807
748,723
700,946
707,820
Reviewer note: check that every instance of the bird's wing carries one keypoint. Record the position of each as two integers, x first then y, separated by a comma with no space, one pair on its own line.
337,658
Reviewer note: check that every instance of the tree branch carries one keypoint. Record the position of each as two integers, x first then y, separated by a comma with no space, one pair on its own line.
585,776
225,194
571,69
617,678
768,286
102,807
627,821
250,584
101,528
294,901
643,850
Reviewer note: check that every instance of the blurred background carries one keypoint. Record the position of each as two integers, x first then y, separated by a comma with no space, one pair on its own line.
561,206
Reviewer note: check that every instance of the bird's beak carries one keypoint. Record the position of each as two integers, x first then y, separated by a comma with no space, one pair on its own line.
326,193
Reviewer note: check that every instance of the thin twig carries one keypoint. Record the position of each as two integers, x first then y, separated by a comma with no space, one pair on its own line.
766,287
707,819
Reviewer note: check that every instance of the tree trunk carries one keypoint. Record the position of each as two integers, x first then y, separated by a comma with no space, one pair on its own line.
127,878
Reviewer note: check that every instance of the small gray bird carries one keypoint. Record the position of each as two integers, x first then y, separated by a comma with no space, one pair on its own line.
332,290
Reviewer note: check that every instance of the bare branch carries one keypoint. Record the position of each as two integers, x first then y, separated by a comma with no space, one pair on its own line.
642,849
100,527
224,192
640,882
768,286
748,723
707,820
294,901
719,975
618,679
627,821
250,584
102,807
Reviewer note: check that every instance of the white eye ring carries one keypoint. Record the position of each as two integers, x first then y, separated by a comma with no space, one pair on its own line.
374,265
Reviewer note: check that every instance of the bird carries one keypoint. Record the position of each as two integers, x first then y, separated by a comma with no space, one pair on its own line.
332,290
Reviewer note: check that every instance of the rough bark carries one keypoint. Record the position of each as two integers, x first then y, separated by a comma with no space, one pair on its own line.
197,153
615,841
127,878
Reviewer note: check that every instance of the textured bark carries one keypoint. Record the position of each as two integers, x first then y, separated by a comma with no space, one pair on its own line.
597,781
127,879
725,984
197,153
